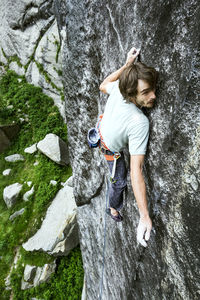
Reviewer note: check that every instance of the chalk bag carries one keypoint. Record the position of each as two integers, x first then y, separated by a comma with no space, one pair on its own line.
93,138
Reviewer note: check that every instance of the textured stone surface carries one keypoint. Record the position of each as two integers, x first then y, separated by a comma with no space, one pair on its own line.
32,149
31,45
28,194
14,158
55,148
16,214
98,36
6,172
10,193
34,276
59,225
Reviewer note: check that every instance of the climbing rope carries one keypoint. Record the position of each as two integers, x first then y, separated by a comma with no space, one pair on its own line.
104,241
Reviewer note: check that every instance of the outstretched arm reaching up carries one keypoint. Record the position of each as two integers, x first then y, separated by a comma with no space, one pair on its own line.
131,56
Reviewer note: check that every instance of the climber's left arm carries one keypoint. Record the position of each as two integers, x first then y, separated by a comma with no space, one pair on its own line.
139,189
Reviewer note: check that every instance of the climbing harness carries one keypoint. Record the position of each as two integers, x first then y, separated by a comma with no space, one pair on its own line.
109,155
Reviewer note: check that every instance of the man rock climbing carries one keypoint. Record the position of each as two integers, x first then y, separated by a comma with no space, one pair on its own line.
123,123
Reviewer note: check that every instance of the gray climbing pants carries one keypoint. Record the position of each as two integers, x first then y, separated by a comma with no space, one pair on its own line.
117,188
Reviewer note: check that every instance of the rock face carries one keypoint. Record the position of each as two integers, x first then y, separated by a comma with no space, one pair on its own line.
98,36
31,44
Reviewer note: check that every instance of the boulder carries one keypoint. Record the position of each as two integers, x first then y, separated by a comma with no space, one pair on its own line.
55,148
29,273
44,273
14,158
59,226
10,193
16,214
34,276
53,182
6,172
28,194
32,149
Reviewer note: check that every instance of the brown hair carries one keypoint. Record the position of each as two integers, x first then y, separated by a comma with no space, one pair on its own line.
128,80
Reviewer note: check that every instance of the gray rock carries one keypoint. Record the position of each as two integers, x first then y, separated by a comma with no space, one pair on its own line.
6,172
29,34
14,158
10,193
43,274
25,285
32,149
53,182
34,276
95,46
59,225
16,214
15,67
55,148
29,273
69,181
28,194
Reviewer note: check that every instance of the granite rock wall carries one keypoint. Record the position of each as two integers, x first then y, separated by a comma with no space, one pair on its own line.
98,36
31,45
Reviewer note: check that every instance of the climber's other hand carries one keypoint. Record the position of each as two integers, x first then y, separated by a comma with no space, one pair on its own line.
144,230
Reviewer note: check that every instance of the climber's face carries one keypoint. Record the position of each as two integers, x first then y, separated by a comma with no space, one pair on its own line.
145,95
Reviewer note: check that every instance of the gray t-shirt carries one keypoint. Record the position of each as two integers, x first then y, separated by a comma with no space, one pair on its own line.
123,123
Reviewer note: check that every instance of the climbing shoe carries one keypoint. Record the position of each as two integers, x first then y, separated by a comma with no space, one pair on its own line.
117,218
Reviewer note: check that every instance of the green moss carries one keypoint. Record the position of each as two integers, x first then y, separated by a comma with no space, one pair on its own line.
46,76
16,59
57,43
65,283
43,118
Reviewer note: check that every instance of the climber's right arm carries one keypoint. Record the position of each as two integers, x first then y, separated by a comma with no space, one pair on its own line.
131,56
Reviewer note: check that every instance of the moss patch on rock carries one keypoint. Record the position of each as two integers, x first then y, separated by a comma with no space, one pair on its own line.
18,100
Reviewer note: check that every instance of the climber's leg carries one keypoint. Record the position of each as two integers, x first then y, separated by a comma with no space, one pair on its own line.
118,186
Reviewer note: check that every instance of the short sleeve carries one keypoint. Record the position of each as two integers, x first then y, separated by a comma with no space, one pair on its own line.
138,135
110,87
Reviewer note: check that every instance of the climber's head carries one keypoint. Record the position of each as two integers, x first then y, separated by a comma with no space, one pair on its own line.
137,84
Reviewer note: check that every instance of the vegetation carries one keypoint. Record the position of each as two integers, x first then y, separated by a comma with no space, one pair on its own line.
18,99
